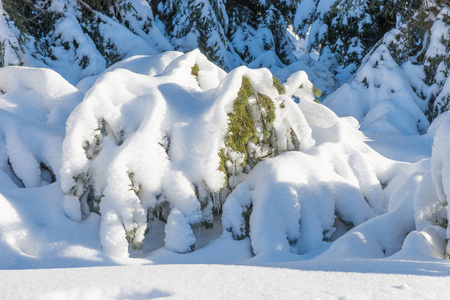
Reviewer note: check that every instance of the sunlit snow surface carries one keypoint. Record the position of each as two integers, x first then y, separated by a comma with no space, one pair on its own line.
396,201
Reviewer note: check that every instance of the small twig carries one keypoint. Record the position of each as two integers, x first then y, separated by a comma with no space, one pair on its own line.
34,17
85,5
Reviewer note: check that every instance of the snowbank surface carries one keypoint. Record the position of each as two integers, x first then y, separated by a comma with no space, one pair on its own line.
168,159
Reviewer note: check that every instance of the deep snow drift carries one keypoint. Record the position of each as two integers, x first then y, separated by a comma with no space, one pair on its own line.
169,159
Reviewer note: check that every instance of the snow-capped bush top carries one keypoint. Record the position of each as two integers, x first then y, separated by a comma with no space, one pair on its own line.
34,106
52,97
169,134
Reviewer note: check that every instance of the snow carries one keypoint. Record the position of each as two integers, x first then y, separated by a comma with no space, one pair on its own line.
179,235
9,39
184,121
381,98
353,204
145,282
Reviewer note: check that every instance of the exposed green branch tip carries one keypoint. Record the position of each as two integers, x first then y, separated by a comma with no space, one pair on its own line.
317,93
278,85
241,126
194,70
223,164
267,104
246,86
223,160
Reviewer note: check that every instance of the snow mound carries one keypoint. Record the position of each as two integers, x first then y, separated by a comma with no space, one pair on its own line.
298,200
34,105
417,219
173,134
432,194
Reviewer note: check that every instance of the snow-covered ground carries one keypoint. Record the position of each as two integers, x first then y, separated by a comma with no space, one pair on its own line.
343,280
149,143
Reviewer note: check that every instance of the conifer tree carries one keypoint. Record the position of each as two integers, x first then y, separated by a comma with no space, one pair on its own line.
197,24
87,34
273,17
10,37
230,33
422,42
344,31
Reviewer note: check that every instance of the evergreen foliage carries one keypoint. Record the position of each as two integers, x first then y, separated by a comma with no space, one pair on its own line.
424,41
241,128
230,33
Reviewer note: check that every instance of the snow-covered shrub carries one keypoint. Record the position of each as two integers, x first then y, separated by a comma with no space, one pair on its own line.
386,234
344,31
380,97
173,134
297,200
416,222
34,106
432,195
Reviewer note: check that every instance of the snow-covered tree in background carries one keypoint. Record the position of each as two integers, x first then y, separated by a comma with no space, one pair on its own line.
344,31
92,35
78,38
275,16
229,33
268,21
381,98
420,46
9,40
198,24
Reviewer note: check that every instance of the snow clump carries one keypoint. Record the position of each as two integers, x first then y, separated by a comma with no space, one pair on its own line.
34,105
